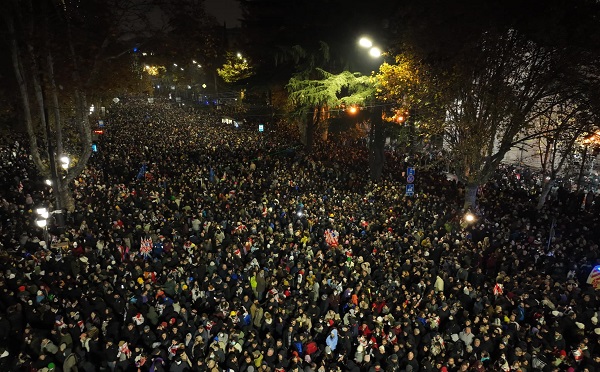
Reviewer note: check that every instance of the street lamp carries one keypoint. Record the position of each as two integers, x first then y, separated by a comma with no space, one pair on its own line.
366,43
64,162
43,221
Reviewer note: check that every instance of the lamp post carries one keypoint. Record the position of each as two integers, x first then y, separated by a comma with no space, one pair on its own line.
42,222
376,132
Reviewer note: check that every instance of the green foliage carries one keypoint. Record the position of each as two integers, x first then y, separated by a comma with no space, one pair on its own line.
235,68
330,90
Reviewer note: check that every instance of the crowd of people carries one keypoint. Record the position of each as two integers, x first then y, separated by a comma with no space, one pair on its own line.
197,246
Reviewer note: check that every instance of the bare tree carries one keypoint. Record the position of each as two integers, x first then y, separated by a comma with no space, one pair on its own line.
493,99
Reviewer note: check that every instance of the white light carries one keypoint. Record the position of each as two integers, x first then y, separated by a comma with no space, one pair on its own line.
65,159
158,86
182,69
189,87
41,211
299,214
49,182
41,223
375,52
239,55
144,54
175,64
92,109
199,66
365,42
204,86
469,217
147,67
194,62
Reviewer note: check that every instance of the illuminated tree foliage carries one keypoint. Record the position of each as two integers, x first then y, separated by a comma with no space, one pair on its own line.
235,68
315,99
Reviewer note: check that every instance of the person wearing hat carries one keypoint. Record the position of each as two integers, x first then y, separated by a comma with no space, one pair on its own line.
148,338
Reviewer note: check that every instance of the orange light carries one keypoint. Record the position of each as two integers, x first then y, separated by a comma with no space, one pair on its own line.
400,119
353,109
99,131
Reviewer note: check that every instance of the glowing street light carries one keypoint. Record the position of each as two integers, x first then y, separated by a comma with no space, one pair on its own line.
352,110
365,42
64,162
375,52
469,217
41,223
42,212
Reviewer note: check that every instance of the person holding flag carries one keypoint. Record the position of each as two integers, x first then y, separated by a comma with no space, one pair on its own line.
146,247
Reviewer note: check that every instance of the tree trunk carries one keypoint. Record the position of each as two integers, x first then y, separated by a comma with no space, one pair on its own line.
56,109
20,76
544,195
325,133
309,134
376,146
581,169
470,195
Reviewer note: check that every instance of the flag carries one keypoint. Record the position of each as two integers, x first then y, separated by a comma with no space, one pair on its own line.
331,237
240,228
142,171
498,289
594,277
146,247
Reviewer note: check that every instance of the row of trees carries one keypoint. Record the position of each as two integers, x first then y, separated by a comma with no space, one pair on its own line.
70,54
497,84
485,76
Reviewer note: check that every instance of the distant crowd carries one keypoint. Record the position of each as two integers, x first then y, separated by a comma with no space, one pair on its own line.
198,246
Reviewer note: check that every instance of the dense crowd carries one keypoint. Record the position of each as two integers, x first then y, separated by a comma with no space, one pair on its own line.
197,246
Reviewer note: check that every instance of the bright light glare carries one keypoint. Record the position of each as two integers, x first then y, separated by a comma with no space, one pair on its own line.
175,64
353,110
469,217
299,214
239,55
41,223
375,52
65,159
41,211
194,62
365,42
49,182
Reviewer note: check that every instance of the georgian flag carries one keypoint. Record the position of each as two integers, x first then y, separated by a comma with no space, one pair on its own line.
331,237
146,247
498,289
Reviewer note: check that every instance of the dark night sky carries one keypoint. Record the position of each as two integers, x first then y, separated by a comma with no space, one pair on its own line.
225,10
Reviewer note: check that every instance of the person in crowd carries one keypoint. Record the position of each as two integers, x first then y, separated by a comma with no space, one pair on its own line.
192,246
